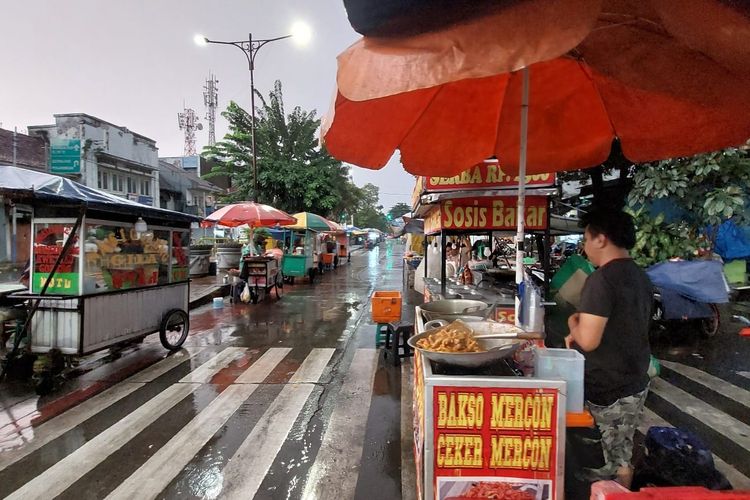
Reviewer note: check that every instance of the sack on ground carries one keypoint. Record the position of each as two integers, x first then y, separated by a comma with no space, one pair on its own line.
677,457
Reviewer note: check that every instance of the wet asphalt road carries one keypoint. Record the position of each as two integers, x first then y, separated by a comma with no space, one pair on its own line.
337,436
290,399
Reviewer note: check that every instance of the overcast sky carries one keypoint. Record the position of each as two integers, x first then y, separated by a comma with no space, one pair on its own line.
133,63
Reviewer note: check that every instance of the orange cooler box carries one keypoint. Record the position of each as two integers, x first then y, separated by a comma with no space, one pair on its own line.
386,306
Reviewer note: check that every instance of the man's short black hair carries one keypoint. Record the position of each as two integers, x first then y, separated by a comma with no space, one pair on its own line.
616,225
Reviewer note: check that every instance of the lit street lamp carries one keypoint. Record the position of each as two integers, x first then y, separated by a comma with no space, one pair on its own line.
300,33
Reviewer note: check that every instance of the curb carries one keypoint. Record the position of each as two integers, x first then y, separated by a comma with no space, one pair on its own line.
218,291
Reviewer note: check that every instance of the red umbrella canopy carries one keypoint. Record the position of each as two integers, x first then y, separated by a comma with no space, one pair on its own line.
665,78
250,213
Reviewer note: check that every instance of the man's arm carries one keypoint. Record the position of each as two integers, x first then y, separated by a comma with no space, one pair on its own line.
586,330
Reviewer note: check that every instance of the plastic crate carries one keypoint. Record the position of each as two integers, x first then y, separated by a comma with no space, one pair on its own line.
386,306
563,364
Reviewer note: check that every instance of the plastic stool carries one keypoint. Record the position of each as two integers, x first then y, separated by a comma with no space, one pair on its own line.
381,334
397,336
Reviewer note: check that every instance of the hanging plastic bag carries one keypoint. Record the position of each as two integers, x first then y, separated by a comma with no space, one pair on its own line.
245,295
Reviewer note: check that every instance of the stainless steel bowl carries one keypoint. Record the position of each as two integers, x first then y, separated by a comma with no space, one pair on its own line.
455,308
496,349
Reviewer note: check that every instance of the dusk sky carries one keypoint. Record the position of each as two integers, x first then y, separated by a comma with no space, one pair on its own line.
134,64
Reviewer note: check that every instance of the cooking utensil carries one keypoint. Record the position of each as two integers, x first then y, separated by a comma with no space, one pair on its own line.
495,349
454,308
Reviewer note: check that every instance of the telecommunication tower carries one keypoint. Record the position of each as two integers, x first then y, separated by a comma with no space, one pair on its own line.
211,100
188,121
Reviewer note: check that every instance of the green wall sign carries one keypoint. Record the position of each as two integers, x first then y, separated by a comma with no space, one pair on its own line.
65,156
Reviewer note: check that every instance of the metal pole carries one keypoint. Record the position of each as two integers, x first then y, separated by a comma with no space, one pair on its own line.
252,124
521,211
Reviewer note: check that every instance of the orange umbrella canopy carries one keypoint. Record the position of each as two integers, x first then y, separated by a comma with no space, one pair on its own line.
250,213
665,78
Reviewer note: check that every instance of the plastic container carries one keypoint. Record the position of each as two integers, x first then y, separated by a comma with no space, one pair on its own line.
218,302
386,306
563,364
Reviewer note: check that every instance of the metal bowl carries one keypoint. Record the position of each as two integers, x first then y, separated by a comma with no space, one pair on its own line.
496,349
453,309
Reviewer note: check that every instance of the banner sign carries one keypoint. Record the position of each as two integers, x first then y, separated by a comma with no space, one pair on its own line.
495,442
495,213
417,192
485,176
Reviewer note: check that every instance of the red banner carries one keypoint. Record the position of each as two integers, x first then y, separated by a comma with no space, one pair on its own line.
485,176
495,441
493,213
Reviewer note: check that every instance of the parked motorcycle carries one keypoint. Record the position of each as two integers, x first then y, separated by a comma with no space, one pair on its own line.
689,291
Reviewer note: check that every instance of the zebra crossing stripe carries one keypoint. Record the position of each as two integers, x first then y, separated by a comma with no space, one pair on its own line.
56,427
259,370
714,383
312,368
739,480
252,460
249,465
207,370
63,423
334,474
156,473
67,471
728,426
408,466
158,369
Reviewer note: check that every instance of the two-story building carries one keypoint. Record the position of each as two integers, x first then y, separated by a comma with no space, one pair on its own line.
102,155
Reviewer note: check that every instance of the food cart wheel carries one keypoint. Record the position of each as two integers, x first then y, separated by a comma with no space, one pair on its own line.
709,326
174,329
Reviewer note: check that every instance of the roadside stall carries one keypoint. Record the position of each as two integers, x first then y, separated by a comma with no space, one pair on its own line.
481,202
104,270
340,239
304,243
493,424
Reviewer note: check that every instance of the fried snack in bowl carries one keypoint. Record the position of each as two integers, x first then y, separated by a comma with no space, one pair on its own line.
455,337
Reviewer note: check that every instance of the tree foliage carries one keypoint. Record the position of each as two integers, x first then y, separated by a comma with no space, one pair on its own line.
398,210
706,189
294,172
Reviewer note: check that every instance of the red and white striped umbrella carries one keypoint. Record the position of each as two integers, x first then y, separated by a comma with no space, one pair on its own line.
250,213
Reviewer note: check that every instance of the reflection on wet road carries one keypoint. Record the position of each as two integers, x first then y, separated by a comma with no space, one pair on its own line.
291,399
261,399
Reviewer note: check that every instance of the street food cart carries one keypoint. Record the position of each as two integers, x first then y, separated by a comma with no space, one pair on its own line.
481,201
304,242
494,429
262,275
104,270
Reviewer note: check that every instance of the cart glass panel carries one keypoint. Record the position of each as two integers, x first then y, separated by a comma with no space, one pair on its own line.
180,253
118,258
49,239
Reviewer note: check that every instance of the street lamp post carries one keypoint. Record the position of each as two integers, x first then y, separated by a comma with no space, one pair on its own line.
250,48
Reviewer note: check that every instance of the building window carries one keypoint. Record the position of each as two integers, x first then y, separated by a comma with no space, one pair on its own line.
119,184
103,179
146,187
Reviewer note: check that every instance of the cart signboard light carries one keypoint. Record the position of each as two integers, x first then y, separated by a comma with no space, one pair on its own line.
485,213
49,240
495,439
486,175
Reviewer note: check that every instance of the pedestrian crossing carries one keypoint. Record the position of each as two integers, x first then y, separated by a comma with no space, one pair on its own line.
201,391
244,472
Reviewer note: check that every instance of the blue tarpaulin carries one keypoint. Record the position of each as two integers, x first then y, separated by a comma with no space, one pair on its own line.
732,241
698,280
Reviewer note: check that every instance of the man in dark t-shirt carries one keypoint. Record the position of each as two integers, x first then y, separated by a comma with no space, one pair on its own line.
611,330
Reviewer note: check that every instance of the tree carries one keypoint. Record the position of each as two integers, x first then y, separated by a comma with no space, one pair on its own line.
398,210
367,211
294,172
705,190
